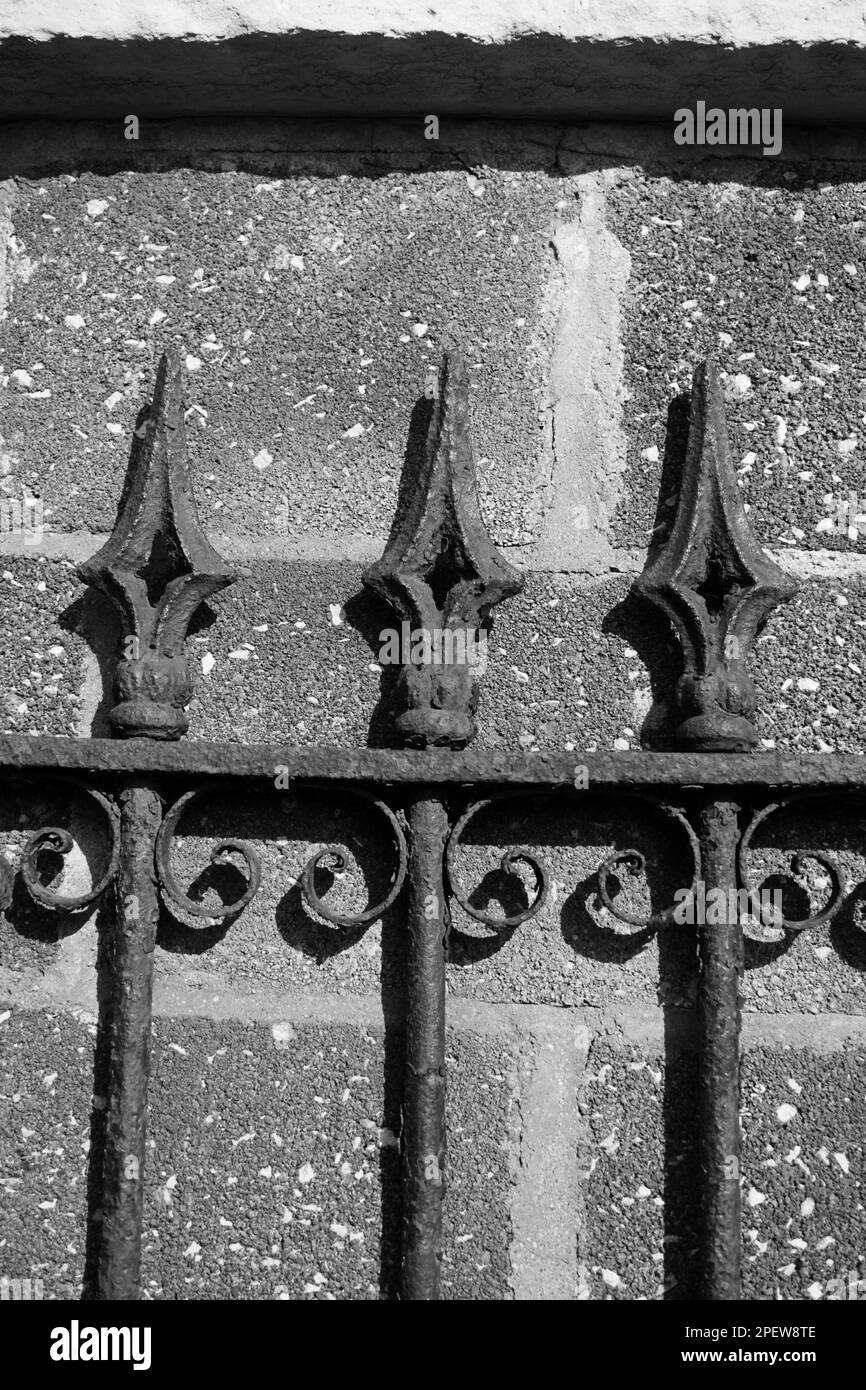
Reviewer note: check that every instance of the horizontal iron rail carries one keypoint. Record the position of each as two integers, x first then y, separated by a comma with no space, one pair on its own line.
436,767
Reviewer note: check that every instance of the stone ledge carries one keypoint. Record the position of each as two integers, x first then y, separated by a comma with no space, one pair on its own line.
481,57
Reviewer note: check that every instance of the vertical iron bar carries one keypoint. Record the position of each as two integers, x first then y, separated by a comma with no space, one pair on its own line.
423,1138
721,961
136,917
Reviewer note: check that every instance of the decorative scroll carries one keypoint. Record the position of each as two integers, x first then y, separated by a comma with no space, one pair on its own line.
506,865
630,859
220,856
52,839
442,574
156,567
338,864
839,887
635,863
715,583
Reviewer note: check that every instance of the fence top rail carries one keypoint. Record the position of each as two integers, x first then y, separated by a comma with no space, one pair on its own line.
480,767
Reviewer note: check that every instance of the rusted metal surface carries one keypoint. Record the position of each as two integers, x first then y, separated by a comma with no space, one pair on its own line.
469,768
423,1129
440,570
136,916
717,586
156,567
55,840
715,583
441,573
720,946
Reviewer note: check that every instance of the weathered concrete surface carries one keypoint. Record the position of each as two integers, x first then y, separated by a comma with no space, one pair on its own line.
617,61
584,295
802,1170
307,312
271,1157
767,274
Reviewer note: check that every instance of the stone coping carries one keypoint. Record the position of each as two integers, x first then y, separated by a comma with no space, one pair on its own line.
553,59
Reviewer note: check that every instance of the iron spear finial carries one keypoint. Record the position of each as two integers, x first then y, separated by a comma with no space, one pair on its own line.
156,567
442,574
715,583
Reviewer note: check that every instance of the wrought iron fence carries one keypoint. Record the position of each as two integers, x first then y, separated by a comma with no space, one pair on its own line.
441,573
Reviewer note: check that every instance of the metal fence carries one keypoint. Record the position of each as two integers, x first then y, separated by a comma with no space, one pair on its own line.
443,576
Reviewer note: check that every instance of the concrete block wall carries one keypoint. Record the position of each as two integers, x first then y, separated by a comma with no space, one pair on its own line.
309,273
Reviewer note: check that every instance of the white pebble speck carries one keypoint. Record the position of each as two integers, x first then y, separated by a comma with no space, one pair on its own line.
354,432
193,363
263,459
807,1207
306,1173
786,1113
23,380
96,206
283,1034
73,321
807,685
208,662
